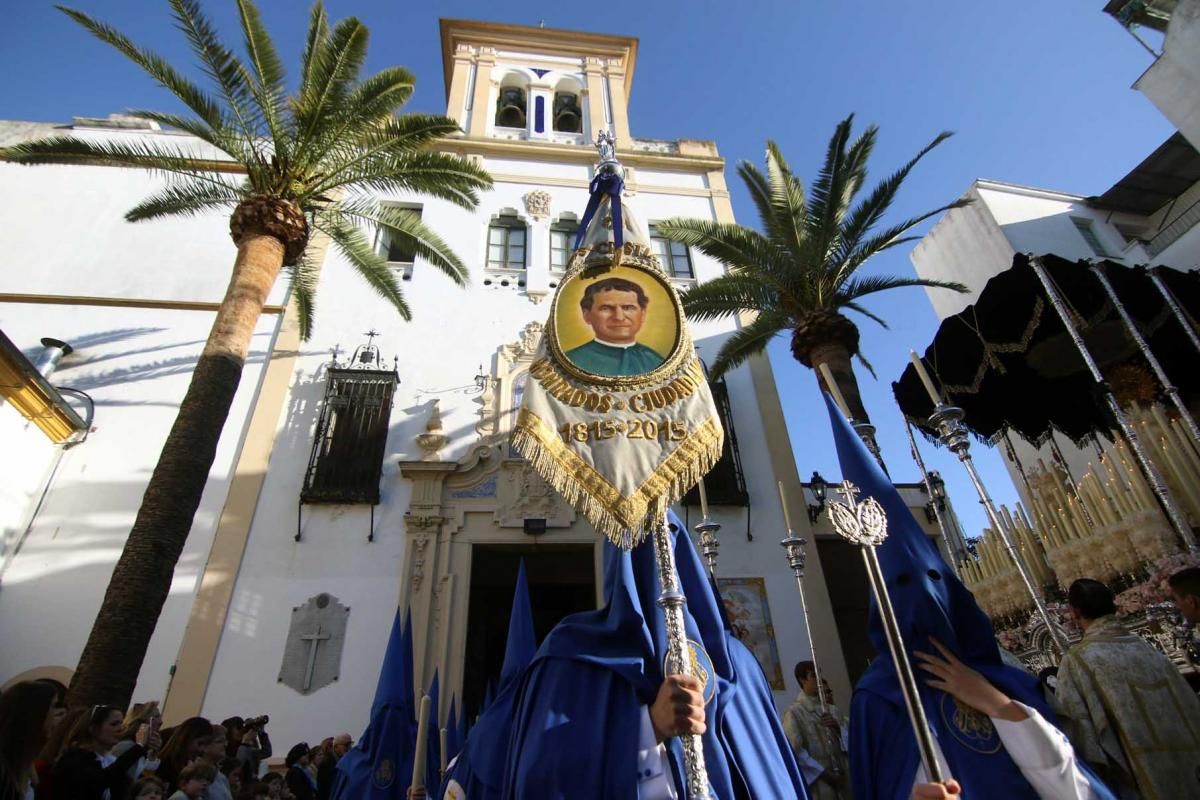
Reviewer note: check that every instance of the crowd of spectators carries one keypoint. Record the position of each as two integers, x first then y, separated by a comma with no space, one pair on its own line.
51,752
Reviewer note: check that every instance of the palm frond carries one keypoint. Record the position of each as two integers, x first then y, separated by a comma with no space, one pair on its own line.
329,73
869,315
359,117
231,145
891,237
871,209
318,32
729,295
369,264
302,278
220,64
856,288
788,204
268,77
747,341
185,198
759,188
406,225
154,65
153,155
732,244
442,175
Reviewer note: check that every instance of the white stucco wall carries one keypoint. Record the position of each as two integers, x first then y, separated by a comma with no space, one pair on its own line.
30,458
972,244
1170,83
64,235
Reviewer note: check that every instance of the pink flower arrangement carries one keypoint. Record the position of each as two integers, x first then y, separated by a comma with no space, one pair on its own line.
1154,589
1011,640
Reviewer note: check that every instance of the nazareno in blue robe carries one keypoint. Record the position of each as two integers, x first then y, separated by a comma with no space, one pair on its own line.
479,769
578,712
929,601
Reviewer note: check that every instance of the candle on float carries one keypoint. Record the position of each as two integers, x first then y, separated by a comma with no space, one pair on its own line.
703,499
443,738
926,381
418,771
787,518
832,386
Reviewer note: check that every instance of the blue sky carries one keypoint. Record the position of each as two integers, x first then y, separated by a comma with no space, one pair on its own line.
1037,94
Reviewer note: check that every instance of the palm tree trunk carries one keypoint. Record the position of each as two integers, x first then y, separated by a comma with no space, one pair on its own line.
837,357
112,658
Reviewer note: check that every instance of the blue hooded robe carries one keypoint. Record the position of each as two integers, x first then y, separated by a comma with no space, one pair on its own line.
380,765
929,601
479,769
579,708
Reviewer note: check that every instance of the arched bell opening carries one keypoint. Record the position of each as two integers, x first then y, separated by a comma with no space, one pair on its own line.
512,103
567,111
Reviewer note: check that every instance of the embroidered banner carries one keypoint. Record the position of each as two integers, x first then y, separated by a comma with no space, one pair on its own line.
616,414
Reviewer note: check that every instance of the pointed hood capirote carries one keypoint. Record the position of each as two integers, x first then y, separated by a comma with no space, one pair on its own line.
480,766
580,705
929,600
383,757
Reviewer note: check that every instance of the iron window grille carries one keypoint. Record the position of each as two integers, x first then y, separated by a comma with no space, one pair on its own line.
726,482
347,455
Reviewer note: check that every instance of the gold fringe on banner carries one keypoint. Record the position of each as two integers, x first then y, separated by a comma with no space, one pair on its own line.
625,521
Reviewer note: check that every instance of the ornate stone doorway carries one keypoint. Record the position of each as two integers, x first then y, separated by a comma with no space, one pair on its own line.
468,523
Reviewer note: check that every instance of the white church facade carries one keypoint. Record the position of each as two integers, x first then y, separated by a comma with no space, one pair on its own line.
369,467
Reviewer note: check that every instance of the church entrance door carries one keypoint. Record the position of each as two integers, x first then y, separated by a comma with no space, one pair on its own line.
562,580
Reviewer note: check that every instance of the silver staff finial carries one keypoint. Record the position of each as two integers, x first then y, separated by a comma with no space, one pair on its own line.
864,523
606,145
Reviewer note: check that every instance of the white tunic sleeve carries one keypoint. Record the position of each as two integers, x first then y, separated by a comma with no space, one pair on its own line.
1044,756
1041,752
810,768
655,781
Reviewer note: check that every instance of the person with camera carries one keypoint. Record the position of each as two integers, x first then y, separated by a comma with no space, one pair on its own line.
254,744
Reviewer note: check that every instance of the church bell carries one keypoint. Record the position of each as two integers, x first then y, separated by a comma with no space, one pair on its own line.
567,116
510,108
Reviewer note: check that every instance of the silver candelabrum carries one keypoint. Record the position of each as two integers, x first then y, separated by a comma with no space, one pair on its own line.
793,545
706,531
947,421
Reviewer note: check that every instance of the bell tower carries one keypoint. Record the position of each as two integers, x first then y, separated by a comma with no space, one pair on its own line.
540,85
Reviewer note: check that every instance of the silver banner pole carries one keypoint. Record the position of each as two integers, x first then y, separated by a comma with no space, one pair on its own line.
672,600
1153,476
865,524
1132,327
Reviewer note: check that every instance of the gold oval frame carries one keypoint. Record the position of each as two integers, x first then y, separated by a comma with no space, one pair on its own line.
647,265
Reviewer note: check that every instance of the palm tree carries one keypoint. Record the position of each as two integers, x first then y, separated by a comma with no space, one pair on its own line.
310,162
799,274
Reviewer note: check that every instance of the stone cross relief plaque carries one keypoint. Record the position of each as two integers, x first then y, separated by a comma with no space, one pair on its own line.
312,656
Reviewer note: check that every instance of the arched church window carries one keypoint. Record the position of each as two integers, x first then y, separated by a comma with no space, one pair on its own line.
562,241
512,104
506,242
